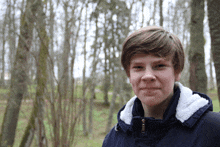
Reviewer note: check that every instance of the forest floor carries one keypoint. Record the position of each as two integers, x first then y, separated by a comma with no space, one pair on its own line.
99,121
100,118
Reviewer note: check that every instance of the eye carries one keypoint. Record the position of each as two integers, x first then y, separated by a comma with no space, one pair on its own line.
160,66
138,67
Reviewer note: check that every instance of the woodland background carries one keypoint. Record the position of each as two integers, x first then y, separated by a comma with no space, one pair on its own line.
61,82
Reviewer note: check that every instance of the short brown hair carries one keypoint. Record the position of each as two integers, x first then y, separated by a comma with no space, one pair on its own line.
156,41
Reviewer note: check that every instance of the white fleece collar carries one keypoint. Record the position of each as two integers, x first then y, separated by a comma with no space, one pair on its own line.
187,105
126,114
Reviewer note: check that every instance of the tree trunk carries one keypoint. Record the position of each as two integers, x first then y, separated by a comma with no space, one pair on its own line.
114,96
106,84
36,124
18,76
126,89
74,43
65,66
2,81
214,23
161,12
51,48
93,74
154,12
113,66
142,13
211,80
198,78
85,131
12,34
111,110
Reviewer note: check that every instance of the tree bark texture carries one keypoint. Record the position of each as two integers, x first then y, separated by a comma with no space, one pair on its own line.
161,12
36,124
198,78
65,66
12,34
85,130
214,23
106,82
115,82
143,13
211,80
18,76
2,81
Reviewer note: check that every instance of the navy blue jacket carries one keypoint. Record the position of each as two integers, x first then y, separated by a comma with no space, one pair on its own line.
187,122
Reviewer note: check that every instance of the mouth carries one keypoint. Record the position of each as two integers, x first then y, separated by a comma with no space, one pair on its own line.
150,88
149,91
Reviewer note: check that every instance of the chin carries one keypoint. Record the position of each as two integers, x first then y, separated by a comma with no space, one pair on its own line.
151,101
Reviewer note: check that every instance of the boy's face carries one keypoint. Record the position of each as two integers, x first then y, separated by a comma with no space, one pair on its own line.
152,78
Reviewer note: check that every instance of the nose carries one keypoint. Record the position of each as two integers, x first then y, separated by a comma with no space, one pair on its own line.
148,75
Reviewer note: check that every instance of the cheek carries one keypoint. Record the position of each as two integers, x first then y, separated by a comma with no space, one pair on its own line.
134,77
168,80
134,82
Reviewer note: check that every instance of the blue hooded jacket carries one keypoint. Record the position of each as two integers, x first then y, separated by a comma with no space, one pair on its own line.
187,122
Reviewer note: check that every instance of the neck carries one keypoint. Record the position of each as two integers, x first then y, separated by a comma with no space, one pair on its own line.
156,111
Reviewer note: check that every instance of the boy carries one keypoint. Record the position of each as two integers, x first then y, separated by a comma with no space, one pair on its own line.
164,112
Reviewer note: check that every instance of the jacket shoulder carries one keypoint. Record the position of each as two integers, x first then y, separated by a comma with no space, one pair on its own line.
116,137
108,138
211,129
111,138
212,119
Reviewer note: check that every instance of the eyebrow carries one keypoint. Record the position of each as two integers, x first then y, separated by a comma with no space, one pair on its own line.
138,61
162,60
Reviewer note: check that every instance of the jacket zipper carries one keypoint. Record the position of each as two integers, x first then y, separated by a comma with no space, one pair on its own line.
143,126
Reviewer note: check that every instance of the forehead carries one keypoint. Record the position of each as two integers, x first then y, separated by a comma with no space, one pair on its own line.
149,57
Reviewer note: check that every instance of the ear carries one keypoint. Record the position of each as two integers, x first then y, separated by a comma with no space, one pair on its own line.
177,77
